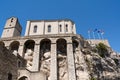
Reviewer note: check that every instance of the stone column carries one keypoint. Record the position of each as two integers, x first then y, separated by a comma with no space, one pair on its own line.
36,56
20,50
53,65
71,64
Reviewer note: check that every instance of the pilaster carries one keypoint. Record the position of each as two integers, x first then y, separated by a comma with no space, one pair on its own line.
20,50
36,56
71,64
53,66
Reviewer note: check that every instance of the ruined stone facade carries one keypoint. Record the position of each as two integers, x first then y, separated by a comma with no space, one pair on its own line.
51,48
9,63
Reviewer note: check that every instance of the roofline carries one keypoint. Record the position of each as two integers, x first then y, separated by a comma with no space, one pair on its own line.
12,17
51,20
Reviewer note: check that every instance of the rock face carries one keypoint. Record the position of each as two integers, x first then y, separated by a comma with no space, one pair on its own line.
102,65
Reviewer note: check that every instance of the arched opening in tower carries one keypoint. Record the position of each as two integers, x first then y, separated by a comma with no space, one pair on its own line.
62,59
45,56
14,46
28,52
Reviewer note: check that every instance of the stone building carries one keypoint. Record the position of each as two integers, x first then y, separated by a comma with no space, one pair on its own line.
51,48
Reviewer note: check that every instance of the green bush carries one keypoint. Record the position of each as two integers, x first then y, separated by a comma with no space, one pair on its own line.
94,50
93,78
102,49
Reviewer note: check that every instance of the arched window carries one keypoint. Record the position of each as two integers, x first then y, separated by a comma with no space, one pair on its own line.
66,28
60,28
35,29
9,76
49,28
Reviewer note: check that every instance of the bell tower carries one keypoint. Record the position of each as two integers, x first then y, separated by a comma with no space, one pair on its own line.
12,28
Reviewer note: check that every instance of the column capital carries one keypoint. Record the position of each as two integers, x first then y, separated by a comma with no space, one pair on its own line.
53,40
53,43
69,41
37,43
21,45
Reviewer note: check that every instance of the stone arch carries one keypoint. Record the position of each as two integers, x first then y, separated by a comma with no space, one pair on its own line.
28,52
23,78
29,44
45,46
45,56
61,46
62,59
14,46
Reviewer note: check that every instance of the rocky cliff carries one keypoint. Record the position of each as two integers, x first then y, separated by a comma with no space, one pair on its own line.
102,62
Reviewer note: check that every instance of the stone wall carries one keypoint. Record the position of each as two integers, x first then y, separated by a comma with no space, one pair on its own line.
93,42
56,27
9,64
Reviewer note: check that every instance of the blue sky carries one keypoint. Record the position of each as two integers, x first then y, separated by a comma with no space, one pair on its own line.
100,14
